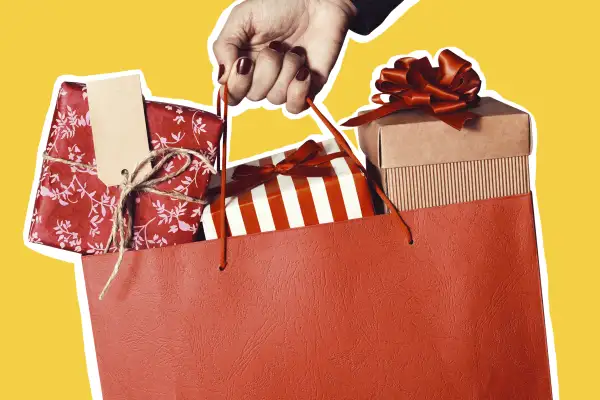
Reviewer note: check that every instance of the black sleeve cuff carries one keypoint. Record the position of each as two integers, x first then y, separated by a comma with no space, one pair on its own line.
371,14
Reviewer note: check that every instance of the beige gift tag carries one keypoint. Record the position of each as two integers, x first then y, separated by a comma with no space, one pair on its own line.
118,126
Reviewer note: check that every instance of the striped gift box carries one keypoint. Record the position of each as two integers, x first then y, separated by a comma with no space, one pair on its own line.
287,202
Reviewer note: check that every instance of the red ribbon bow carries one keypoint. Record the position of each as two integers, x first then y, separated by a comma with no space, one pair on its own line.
304,162
446,91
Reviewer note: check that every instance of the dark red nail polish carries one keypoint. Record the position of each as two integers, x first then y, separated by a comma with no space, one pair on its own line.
221,70
302,74
298,51
244,65
277,46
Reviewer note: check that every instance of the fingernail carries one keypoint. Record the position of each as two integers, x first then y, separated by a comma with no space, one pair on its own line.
221,70
277,46
298,51
244,66
302,74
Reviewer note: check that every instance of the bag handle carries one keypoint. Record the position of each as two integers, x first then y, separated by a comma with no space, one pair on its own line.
223,172
340,140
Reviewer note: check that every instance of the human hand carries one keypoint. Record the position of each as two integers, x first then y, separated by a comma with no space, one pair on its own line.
281,50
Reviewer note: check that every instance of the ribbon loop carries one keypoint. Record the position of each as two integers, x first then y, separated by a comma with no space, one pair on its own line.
305,162
446,91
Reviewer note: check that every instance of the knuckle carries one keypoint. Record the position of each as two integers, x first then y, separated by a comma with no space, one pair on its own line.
216,47
235,11
297,93
276,96
233,101
255,96
293,109
269,63
293,106
232,97
293,60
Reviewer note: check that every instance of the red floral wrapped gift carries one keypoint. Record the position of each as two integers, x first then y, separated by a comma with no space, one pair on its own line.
74,209
315,184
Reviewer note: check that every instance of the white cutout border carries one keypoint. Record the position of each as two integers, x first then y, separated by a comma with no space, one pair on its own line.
89,347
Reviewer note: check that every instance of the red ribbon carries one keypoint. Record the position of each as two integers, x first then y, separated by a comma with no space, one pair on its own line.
446,91
304,162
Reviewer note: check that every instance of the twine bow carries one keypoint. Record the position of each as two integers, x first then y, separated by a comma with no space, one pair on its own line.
304,162
140,181
446,91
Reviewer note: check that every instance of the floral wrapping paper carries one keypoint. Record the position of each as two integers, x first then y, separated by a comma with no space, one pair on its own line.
73,209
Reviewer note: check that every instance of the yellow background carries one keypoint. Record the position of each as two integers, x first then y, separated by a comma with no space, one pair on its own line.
532,52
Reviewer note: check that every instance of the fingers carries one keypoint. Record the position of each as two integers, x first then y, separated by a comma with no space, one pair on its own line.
240,80
279,76
292,62
298,90
226,54
231,39
266,72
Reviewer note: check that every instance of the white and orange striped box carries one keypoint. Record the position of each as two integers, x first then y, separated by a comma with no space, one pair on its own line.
287,202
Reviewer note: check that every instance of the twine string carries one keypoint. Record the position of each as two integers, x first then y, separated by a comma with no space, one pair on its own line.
140,180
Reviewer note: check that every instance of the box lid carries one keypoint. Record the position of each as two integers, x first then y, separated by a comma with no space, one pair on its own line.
409,138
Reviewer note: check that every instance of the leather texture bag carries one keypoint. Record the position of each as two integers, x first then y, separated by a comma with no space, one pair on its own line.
340,311
348,310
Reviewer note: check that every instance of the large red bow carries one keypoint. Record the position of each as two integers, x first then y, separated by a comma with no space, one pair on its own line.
446,91
304,162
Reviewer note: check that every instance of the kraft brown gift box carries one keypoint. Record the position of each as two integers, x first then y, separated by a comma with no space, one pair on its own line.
423,162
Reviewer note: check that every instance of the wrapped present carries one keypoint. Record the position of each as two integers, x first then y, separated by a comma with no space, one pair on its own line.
314,184
74,209
436,142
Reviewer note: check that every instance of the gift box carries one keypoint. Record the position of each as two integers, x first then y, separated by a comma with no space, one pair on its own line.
314,184
423,162
425,156
74,209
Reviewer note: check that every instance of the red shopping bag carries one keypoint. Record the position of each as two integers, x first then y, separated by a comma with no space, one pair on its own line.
348,310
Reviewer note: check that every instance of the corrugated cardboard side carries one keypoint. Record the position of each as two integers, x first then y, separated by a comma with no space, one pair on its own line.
435,185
